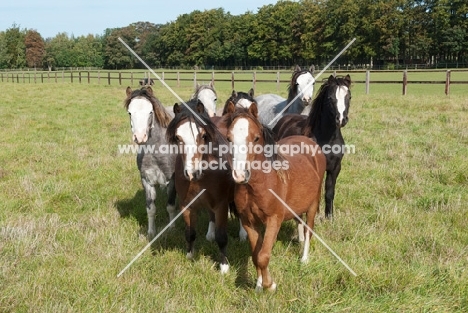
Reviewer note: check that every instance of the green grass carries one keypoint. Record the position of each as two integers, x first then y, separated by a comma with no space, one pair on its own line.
72,213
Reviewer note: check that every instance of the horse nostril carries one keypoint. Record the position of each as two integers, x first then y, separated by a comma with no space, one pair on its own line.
247,175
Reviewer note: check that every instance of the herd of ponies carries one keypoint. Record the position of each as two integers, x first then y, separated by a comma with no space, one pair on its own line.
261,199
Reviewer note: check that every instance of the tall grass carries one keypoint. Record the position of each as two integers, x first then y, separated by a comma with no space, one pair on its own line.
72,214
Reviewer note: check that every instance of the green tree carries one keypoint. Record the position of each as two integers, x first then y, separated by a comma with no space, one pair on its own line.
15,49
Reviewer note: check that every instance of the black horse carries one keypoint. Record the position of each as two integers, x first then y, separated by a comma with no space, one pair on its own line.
329,113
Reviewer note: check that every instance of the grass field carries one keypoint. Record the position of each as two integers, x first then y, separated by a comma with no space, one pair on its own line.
72,213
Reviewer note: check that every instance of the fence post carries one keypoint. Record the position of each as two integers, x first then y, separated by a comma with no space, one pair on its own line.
277,80
194,80
108,78
178,79
23,78
2,77
405,81
79,77
99,77
55,77
42,77
71,76
212,78
17,78
63,77
367,82
447,83
120,78
48,77
89,78
131,78
254,79
232,80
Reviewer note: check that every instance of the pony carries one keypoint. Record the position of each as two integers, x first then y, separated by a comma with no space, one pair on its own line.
201,164
239,98
270,105
149,121
295,178
329,113
207,95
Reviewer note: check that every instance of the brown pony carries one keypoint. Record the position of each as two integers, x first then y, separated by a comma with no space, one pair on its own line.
199,166
295,177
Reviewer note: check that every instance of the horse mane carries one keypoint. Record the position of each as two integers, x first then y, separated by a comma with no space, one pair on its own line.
321,99
201,120
160,113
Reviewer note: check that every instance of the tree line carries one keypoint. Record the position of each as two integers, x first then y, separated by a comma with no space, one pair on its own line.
392,32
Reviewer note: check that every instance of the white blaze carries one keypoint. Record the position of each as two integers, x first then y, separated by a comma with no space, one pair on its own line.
341,93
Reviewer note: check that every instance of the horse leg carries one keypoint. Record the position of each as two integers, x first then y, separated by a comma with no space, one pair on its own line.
242,232
273,225
300,230
255,240
150,195
310,226
171,199
330,183
211,233
221,217
190,219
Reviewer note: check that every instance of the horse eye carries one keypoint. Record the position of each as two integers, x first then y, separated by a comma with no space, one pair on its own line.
129,113
216,99
256,138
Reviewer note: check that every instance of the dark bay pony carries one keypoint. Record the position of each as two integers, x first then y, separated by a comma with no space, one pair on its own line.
270,105
149,120
239,98
200,165
329,113
295,178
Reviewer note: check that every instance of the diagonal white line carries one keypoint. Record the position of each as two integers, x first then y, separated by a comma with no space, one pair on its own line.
314,233
159,78
310,84
160,233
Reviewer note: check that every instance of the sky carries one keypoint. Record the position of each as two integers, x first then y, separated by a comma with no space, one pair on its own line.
83,17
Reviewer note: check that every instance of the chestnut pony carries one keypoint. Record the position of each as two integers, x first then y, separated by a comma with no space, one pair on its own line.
295,178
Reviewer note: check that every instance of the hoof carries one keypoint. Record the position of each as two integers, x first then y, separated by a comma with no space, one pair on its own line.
304,260
272,288
189,256
224,268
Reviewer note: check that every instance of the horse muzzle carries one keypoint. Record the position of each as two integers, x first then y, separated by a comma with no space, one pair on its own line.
241,176
140,138
193,175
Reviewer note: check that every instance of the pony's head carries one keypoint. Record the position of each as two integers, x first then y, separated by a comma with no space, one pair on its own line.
207,95
339,97
240,99
145,111
195,134
302,82
248,138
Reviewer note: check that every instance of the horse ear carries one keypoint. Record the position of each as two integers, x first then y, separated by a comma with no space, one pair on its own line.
128,91
253,109
297,68
234,94
312,69
231,107
176,108
149,91
200,107
331,79
251,92
348,80
212,84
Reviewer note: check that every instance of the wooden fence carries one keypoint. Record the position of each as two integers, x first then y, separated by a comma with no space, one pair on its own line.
107,77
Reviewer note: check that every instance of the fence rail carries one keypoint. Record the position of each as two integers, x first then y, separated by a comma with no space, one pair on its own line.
120,77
